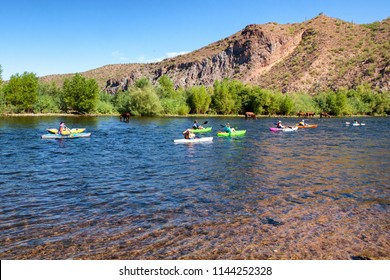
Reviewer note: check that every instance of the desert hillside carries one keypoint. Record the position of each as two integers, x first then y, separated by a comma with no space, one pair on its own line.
315,55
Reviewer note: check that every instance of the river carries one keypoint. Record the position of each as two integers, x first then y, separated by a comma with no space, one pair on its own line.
129,192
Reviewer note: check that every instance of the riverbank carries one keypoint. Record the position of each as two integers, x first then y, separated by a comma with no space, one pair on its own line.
178,116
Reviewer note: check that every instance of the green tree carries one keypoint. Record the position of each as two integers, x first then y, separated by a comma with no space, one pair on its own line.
331,101
49,99
172,101
81,94
1,75
198,99
22,91
165,87
244,97
223,99
144,102
254,101
383,104
263,101
342,103
3,106
237,92
276,103
303,102
105,104
320,100
2,96
142,83
175,104
287,105
122,101
368,97
337,103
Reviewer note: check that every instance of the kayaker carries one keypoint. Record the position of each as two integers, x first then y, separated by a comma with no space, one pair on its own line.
355,122
228,128
302,123
188,134
279,124
196,125
62,128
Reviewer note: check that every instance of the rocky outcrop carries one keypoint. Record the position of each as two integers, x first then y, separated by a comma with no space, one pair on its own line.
250,54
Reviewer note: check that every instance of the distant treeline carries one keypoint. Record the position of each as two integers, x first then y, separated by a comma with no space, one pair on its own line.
25,94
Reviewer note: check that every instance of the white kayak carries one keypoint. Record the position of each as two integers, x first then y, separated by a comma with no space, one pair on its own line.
195,140
355,124
285,129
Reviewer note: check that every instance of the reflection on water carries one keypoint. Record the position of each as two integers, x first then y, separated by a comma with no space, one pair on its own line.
128,192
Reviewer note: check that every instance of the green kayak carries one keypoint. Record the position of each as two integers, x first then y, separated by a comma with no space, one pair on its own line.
202,130
235,133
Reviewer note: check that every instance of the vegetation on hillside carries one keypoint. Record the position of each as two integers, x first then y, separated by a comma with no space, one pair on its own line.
24,94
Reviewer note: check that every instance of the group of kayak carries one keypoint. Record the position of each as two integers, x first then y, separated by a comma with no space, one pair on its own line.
64,132
300,125
190,134
354,123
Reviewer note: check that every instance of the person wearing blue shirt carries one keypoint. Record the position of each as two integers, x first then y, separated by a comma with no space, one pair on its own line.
229,129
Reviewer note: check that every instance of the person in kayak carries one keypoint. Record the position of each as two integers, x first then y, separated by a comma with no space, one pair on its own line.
302,123
196,125
188,134
228,128
63,128
279,124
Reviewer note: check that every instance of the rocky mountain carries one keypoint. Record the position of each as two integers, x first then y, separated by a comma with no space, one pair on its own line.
318,54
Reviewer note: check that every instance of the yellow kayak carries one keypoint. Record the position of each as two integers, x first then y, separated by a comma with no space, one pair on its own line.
66,132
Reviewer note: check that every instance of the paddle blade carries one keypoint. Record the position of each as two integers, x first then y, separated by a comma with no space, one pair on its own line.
205,122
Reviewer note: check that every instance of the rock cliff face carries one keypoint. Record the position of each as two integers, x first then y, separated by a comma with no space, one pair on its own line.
322,53
245,56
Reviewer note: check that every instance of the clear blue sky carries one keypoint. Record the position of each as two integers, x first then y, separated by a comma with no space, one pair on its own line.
55,37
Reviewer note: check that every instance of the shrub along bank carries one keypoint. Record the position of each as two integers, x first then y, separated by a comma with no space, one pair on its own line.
25,94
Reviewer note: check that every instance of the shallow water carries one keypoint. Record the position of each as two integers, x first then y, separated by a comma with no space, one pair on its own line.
129,192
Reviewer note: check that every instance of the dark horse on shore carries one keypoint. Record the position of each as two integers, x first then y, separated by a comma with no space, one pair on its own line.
125,117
